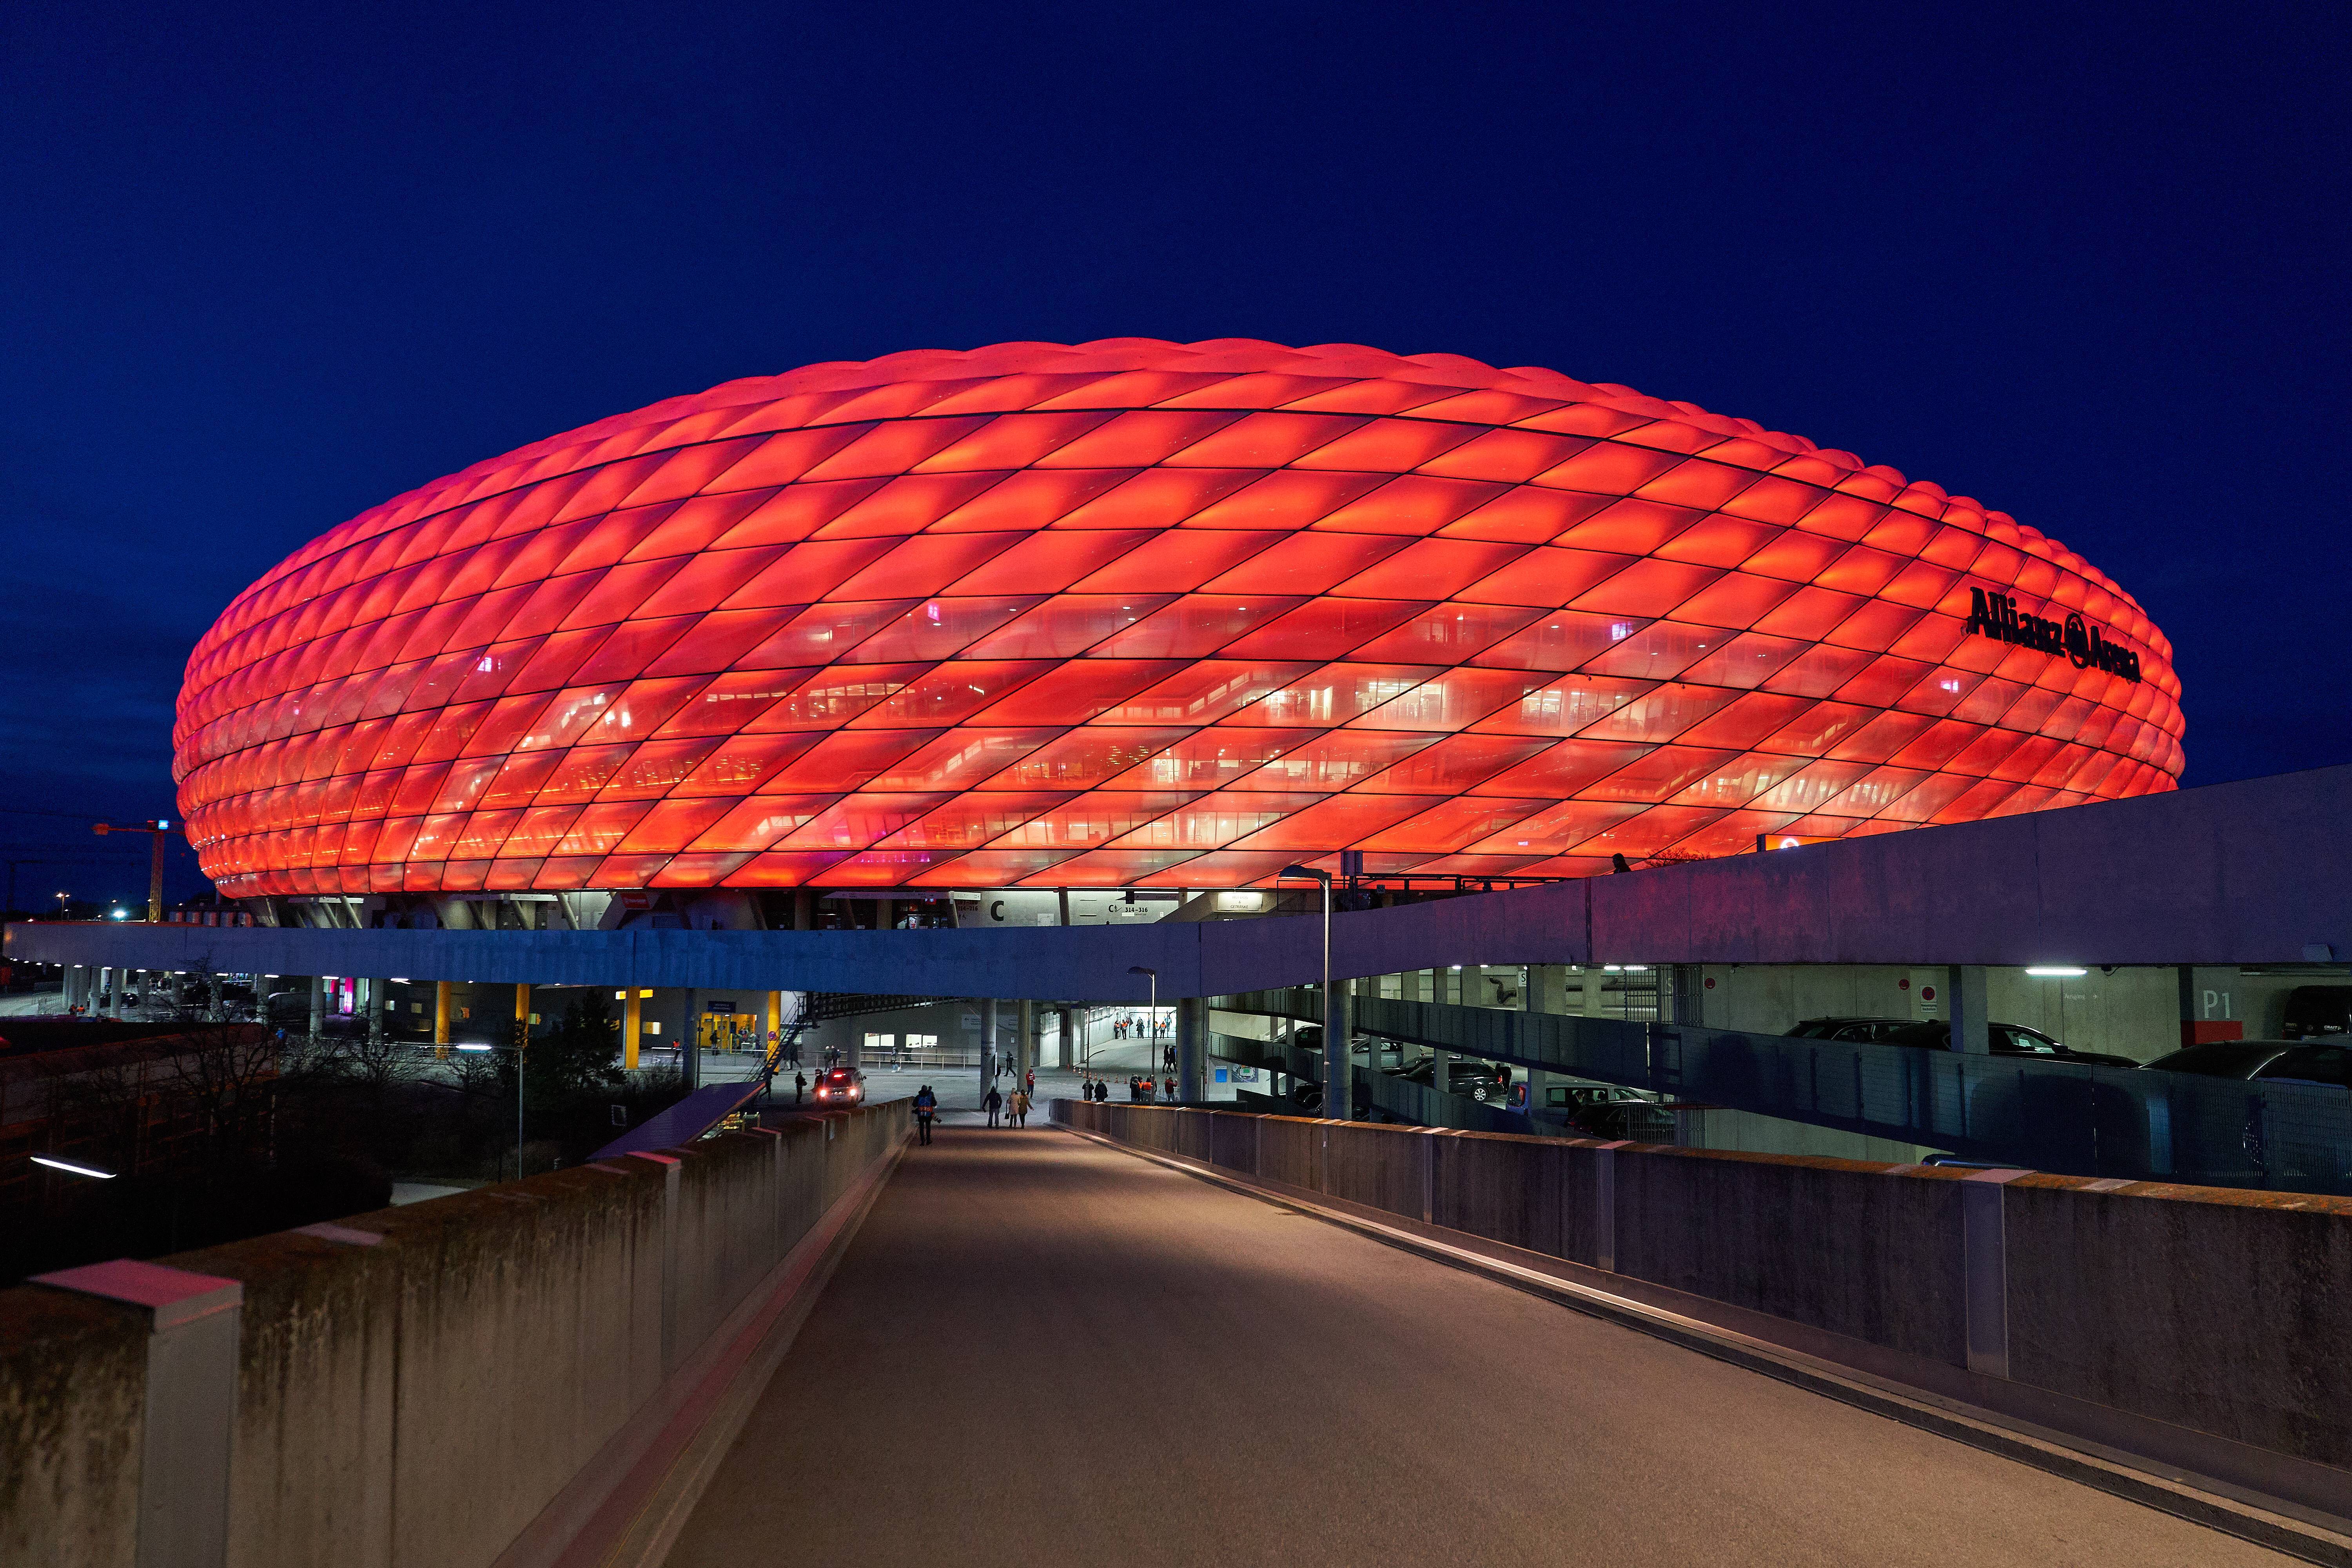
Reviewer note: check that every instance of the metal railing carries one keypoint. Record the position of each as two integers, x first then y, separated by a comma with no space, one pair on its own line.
2062,1117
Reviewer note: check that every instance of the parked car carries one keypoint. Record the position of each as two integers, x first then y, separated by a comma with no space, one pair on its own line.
1487,1083
2290,1060
2005,1040
2315,1010
1605,1111
1867,1030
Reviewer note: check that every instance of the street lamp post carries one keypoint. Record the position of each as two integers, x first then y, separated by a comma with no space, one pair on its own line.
1152,1030
1336,1085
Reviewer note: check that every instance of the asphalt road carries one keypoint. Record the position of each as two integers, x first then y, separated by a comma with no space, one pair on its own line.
1040,1350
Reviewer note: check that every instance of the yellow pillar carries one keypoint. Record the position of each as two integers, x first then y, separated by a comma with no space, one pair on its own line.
632,1019
522,1013
441,993
776,1024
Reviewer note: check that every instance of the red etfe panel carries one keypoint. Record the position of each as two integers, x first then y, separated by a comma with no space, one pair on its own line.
970,619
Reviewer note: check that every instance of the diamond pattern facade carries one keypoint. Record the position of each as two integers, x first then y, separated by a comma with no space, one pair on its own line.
1138,613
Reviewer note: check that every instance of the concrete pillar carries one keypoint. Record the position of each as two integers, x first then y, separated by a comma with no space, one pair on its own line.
1339,1083
2210,1005
633,1023
1594,1001
1024,1052
1192,1049
318,1003
374,991
1969,995
189,1416
803,909
442,990
1065,1047
121,982
987,1044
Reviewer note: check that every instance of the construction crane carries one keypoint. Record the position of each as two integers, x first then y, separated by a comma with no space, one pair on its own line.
156,830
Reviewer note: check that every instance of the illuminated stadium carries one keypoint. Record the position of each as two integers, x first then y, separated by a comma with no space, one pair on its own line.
1135,614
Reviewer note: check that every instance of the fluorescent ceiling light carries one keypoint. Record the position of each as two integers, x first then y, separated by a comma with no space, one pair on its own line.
2056,970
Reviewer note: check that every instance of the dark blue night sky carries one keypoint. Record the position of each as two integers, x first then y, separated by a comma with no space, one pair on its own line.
259,270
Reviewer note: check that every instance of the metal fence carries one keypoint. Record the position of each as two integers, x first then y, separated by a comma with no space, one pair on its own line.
2062,1117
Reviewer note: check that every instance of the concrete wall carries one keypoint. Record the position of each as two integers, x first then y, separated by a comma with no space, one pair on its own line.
417,1404
1747,1133
72,1385
2201,1326
2256,871
945,1020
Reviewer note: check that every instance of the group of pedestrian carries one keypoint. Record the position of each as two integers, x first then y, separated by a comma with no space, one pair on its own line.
927,1105
1014,1108
1129,1027
1145,1088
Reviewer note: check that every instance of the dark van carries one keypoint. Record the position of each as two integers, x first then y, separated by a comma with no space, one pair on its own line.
2315,1010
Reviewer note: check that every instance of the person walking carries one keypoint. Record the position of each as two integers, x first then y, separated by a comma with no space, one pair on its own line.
994,1102
800,1087
1029,1083
1020,1108
927,1105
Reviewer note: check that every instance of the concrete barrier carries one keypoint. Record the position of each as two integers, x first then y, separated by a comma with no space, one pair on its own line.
415,1388
2200,1327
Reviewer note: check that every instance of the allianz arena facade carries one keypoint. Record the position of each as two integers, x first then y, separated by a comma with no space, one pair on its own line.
1136,613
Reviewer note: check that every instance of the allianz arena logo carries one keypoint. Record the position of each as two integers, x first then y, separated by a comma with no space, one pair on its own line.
1996,615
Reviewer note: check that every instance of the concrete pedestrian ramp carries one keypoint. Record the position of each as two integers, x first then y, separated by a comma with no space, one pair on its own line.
1041,1349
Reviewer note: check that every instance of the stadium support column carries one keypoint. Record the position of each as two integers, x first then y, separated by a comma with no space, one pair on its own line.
1192,1049
376,1003
318,1005
1969,995
1338,1084
1065,1050
988,1026
441,991
632,1026
774,1044
1024,1048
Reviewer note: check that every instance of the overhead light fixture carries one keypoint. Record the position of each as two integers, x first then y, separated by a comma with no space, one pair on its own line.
474,1047
2056,970
72,1169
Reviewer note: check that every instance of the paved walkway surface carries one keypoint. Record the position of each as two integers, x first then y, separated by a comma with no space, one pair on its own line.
1038,1349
